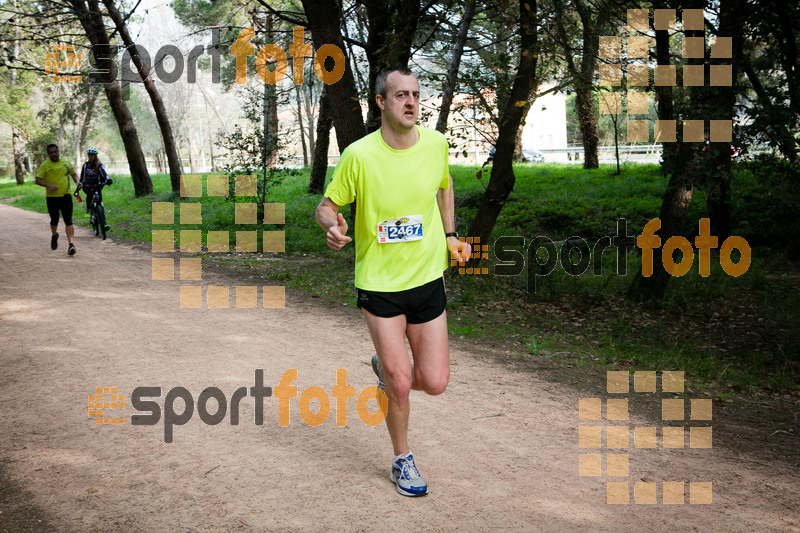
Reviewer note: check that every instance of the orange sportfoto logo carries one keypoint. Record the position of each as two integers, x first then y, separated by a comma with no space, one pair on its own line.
704,242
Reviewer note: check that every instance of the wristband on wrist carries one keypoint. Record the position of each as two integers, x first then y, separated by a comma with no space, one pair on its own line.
451,234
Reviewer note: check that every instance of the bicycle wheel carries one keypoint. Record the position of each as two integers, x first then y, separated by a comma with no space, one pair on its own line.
100,217
93,219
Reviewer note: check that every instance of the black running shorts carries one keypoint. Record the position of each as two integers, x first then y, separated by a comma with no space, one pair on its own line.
420,304
63,204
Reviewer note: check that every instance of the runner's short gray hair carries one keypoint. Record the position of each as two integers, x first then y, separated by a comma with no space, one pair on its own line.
380,82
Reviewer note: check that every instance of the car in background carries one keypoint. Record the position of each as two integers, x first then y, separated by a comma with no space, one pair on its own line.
528,156
532,156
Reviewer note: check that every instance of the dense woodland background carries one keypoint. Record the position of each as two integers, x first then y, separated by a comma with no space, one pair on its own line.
498,52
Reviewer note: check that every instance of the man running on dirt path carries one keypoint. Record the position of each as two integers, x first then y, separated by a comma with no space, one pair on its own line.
54,176
400,180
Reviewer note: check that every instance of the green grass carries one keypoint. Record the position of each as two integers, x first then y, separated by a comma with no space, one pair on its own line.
726,333
564,200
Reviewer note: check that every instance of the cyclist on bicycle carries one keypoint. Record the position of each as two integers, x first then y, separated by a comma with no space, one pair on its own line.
93,177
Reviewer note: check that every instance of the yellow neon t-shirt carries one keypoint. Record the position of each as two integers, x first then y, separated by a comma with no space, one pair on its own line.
56,173
392,184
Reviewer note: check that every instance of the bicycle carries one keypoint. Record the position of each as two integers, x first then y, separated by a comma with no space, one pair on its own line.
97,213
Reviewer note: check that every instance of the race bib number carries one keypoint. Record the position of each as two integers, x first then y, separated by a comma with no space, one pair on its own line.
403,229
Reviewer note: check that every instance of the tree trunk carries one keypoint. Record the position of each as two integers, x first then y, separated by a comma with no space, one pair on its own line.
155,97
60,130
265,133
211,154
518,141
790,61
190,151
615,121
392,25
678,196
270,114
674,207
302,128
455,62
588,124
308,94
502,179
319,167
87,118
180,157
19,170
272,122
92,22
378,27
583,76
777,131
16,145
592,29
323,22
718,201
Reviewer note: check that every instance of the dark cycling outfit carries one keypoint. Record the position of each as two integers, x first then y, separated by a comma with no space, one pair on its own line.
92,182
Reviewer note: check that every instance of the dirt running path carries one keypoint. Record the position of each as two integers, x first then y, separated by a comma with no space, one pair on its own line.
499,448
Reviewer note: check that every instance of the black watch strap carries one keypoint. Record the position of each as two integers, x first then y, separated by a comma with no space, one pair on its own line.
451,234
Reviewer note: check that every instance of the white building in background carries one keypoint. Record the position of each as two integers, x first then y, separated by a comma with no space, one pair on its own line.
546,124
471,133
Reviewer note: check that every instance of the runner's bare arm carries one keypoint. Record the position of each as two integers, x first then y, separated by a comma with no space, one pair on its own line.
41,183
445,199
330,220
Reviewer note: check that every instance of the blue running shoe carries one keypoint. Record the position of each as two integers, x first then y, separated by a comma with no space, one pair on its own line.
406,476
378,369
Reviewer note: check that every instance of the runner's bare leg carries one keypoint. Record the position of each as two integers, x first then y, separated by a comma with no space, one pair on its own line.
431,366
388,336
431,355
